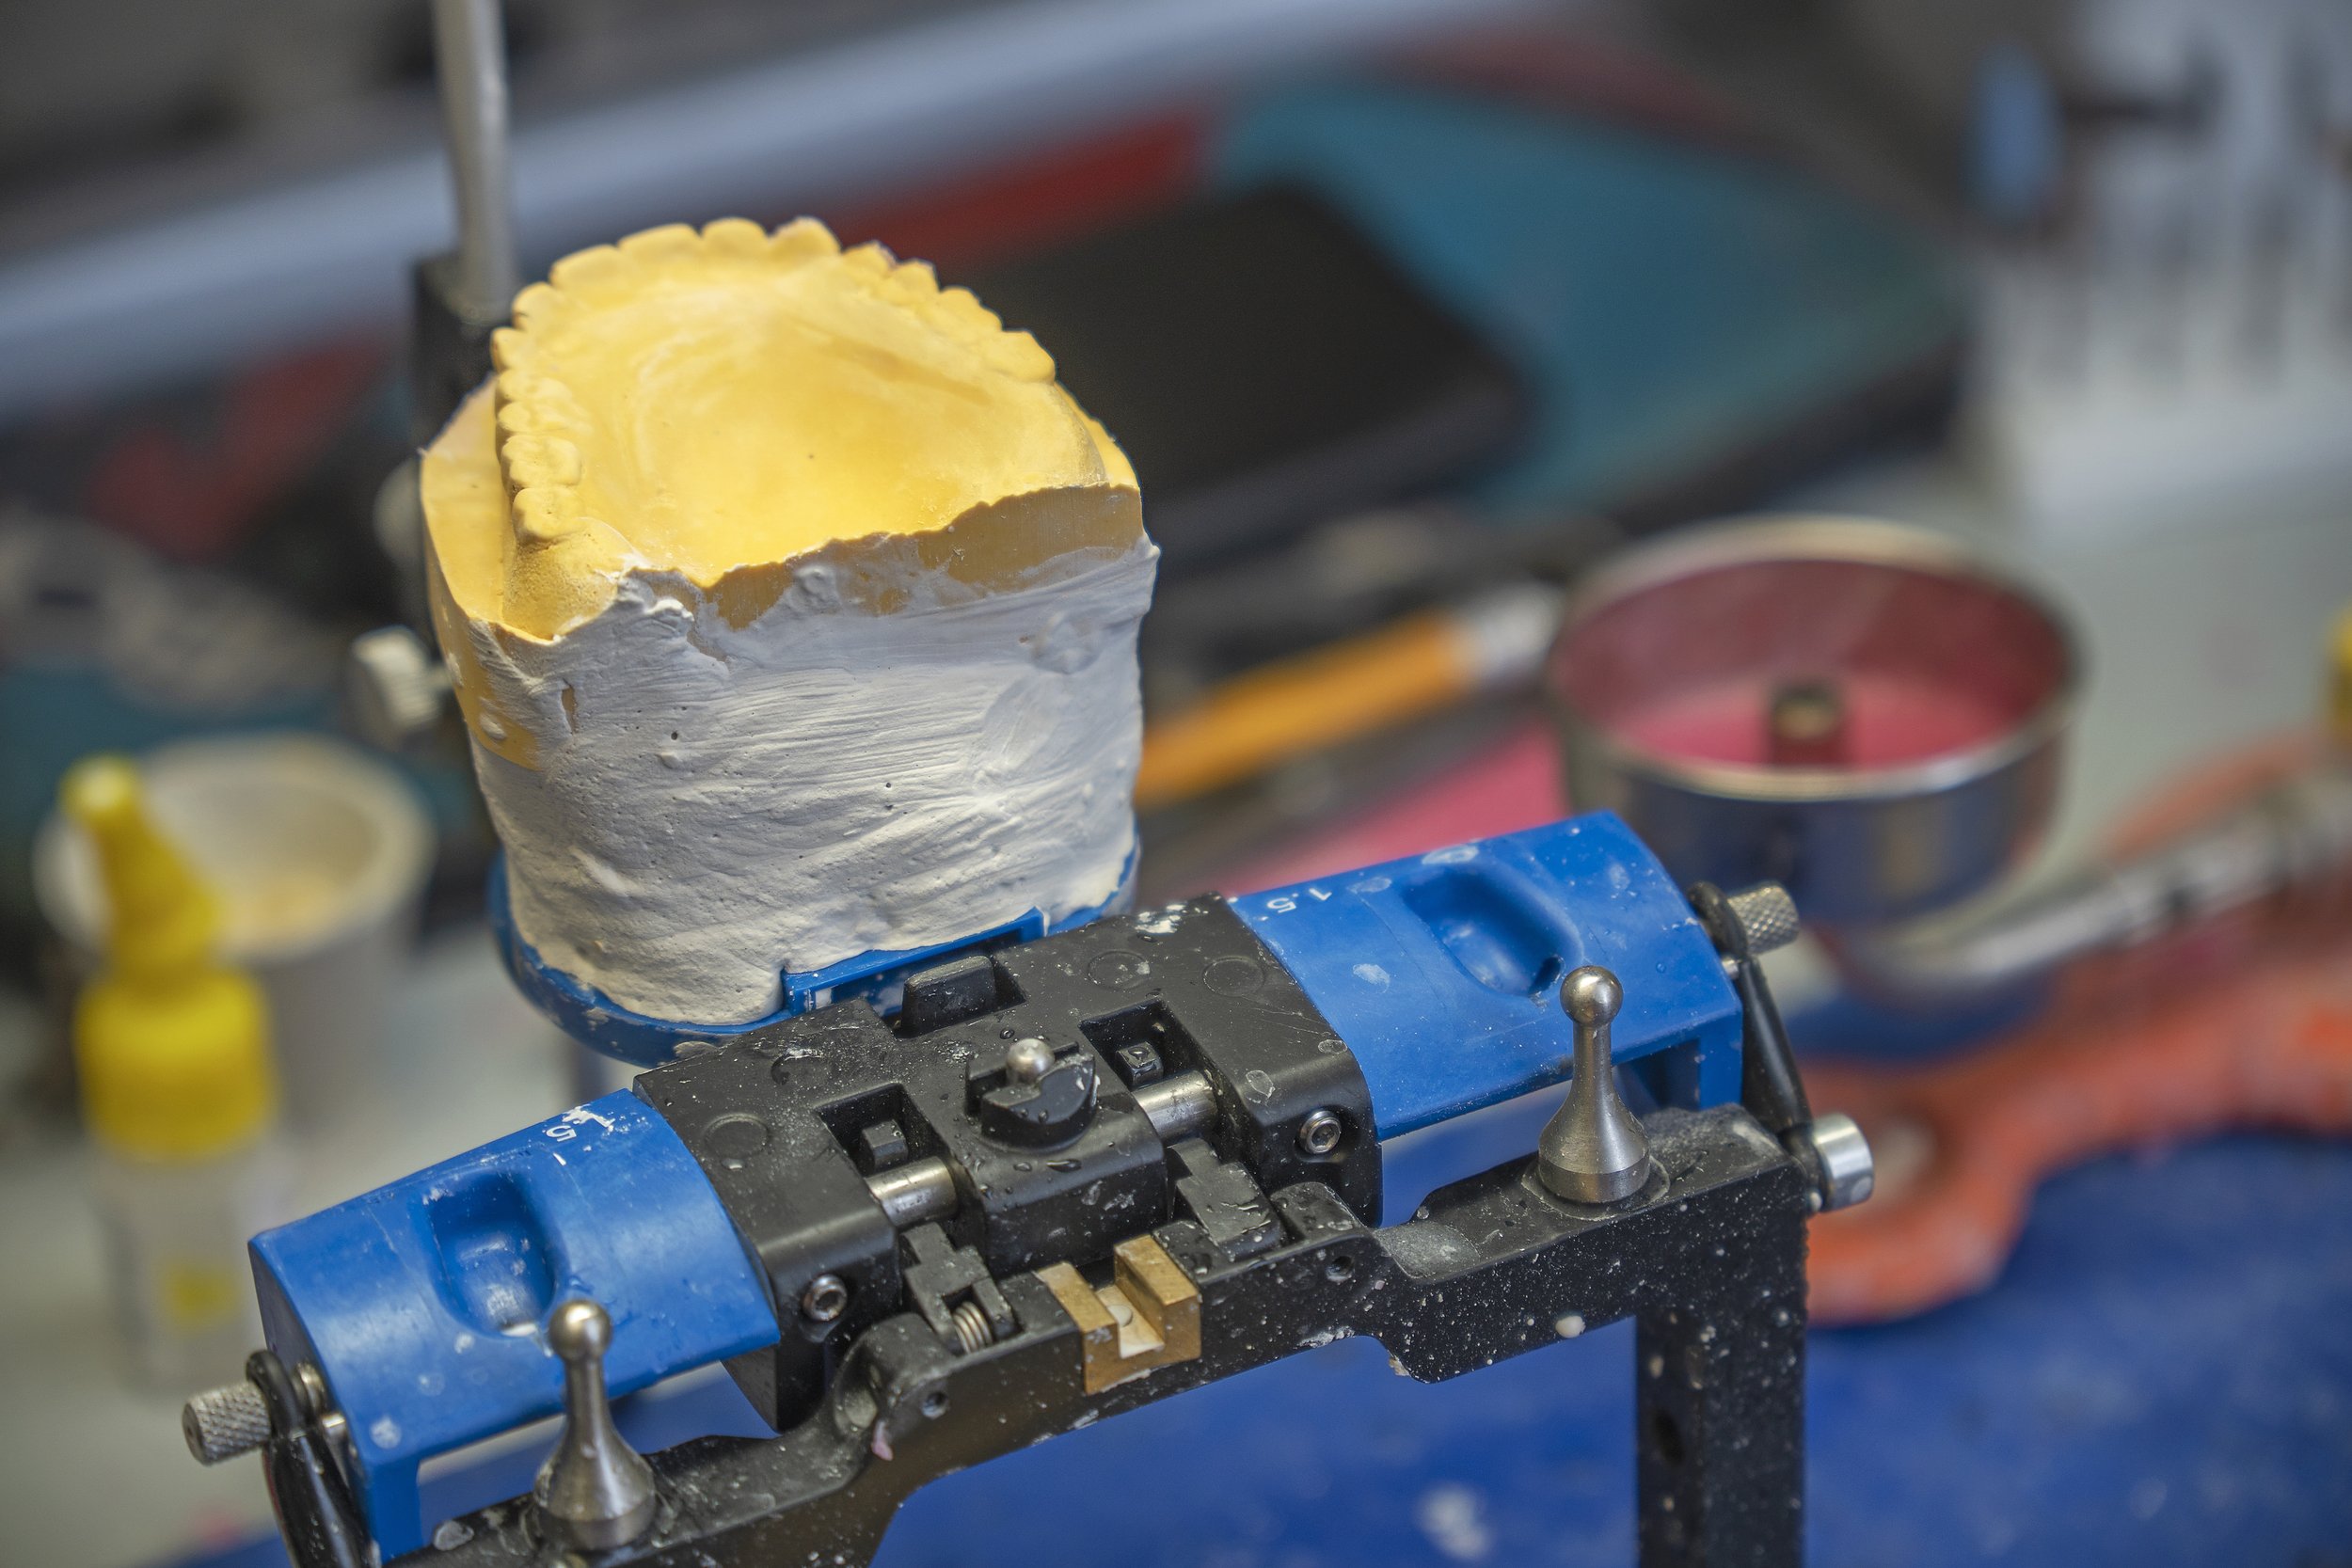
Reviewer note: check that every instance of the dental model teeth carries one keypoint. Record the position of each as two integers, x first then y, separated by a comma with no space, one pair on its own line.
793,607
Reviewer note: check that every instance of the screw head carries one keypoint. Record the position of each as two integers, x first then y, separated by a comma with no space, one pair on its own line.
826,1298
1320,1132
1591,994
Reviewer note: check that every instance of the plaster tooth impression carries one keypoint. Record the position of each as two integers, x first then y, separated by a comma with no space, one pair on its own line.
793,607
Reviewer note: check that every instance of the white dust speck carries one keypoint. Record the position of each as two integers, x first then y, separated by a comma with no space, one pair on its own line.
1373,974
1454,1519
1568,1324
385,1434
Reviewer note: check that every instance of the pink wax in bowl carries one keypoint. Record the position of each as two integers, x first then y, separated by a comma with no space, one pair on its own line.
1888,719
1916,662
1864,712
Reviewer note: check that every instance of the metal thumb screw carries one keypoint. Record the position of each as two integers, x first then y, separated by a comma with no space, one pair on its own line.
1592,1150
222,1423
595,1492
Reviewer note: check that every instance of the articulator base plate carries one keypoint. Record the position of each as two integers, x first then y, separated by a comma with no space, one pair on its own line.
1709,1260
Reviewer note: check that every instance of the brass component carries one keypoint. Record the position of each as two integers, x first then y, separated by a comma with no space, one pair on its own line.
1148,1316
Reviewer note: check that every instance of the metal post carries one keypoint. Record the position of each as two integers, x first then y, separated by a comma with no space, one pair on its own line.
471,53
1719,1407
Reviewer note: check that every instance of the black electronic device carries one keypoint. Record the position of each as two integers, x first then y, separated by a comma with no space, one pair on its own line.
1262,364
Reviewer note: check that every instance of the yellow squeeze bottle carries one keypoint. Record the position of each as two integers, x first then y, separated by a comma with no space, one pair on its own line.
178,1089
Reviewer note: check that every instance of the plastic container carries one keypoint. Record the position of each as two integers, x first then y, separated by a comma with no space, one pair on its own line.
319,855
175,1233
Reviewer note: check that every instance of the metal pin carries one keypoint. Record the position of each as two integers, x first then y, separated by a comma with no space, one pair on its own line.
917,1191
595,1492
1178,1107
1592,1150
1027,1061
1805,724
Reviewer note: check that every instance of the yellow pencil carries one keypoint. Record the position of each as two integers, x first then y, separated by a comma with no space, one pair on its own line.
1353,688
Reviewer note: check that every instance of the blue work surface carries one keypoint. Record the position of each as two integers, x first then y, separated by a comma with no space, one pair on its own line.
2163,1377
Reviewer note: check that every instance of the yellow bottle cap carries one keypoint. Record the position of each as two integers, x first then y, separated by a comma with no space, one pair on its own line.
2339,680
173,1046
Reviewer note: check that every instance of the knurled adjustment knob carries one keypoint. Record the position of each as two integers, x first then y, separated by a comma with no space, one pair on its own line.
222,1423
1035,1098
1767,917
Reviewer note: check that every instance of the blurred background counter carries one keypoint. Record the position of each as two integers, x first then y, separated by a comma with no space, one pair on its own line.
1408,312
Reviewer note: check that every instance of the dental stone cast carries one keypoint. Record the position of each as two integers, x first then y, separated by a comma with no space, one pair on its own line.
792,607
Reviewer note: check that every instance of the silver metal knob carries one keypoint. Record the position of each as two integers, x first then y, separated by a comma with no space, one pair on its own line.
595,1492
1592,1150
1027,1061
1849,1170
394,685
222,1423
1767,917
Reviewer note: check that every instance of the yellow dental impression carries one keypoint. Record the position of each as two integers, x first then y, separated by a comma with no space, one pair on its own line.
719,405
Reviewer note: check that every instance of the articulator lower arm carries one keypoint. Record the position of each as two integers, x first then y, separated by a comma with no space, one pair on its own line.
1077,1176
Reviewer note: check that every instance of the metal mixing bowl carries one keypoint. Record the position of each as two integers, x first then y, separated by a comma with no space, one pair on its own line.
1961,680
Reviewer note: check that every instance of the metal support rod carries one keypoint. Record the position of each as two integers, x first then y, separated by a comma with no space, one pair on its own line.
470,49
1719,1409
916,1191
1178,1107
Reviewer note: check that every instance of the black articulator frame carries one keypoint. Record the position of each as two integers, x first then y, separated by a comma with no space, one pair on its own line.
1224,1224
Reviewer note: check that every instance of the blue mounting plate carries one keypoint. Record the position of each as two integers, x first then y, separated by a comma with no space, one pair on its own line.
1443,971
601,1024
421,1302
